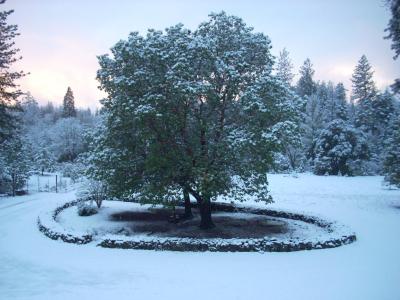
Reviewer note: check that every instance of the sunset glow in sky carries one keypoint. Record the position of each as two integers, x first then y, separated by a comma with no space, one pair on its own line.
60,40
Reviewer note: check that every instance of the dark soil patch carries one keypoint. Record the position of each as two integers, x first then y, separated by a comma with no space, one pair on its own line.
228,225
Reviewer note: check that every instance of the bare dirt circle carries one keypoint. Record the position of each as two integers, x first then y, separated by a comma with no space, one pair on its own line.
228,225
129,225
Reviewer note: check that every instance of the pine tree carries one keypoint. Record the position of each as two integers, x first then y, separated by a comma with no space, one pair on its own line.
336,147
325,96
30,110
394,34
312,125
9,91
69,105
362,80
364,93
284,68
384,109
15,163
306,85
342,109
333,101
392,158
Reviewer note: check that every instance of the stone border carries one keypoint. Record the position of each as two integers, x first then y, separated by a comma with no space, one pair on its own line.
340,236
66,237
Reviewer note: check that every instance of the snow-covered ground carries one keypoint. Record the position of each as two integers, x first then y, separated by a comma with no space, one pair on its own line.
35,267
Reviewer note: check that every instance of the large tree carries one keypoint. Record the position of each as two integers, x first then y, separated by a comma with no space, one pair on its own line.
364,93
9,91
393,30
191,112
392,156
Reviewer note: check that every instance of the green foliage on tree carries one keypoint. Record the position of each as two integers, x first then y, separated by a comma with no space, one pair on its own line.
9,91
15,163
306,85
364,93
393,30
341,107
392,156
338,147
69,105
195,112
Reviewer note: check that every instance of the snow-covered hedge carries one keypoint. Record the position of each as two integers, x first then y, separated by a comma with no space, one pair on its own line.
337,235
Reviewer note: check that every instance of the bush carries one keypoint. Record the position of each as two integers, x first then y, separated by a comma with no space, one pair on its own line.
93,190
85,209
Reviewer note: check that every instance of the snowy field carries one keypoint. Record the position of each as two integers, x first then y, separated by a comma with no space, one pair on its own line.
35,267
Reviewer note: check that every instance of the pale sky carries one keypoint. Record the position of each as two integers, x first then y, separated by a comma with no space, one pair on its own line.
60,39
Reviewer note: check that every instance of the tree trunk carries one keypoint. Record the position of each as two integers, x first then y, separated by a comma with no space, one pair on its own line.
188,207
13,184
205,210
205,213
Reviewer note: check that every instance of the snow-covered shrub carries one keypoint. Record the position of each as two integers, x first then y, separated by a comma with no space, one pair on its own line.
337,147
86,209
281,163
362,167
93,190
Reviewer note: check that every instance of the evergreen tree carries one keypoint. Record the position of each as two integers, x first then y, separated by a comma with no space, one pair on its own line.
362,80
195,112
392,158
312,125
394,34
69,105
342,109
30,111
333,101
364,93
284,68
306,85
15,164
325,95
336,147
384,108
67,139
9,91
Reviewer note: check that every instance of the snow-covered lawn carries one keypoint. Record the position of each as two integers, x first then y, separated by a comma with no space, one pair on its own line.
35,267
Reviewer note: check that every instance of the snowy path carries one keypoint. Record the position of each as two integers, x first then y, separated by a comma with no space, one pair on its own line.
35,267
